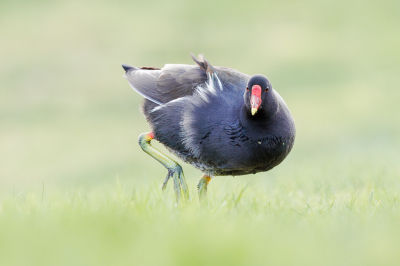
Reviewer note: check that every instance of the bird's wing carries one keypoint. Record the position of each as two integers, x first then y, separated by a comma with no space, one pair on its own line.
170,82
143,81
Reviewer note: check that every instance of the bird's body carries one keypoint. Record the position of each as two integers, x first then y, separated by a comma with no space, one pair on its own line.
204,115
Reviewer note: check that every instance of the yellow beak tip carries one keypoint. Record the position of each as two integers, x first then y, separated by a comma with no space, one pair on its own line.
254,111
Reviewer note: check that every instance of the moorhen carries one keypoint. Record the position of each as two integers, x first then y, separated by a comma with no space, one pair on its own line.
219,120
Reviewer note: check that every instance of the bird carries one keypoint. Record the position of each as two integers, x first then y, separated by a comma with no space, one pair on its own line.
219,120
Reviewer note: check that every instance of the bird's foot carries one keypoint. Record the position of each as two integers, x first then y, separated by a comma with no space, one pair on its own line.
180,186
202,186
174,169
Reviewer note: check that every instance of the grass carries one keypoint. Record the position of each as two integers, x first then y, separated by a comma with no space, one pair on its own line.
253,224
76,189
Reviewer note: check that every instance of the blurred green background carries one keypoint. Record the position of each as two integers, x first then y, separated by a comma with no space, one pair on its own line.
68,117
70,121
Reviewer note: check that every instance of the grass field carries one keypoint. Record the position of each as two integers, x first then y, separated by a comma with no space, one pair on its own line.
76,189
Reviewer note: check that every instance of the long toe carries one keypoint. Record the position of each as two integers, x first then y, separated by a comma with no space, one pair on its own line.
184,186
164,185
180,186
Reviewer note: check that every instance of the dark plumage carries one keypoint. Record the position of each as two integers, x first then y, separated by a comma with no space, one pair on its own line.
203,114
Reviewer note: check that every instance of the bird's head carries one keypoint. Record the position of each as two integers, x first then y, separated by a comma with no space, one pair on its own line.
259,97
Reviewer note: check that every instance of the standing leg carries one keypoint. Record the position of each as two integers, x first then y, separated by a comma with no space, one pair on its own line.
174,169
202,186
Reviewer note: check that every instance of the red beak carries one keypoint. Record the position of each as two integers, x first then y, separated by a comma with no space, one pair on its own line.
255,100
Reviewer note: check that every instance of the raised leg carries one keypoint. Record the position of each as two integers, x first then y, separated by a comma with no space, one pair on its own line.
174,169
202,186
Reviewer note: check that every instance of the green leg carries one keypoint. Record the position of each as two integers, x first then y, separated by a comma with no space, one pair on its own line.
202,186
174,169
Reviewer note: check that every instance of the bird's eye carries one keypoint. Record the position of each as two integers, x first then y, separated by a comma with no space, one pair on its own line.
267,89
247,88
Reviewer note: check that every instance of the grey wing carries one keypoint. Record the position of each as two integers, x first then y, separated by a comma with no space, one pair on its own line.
169,83
143,81
177,81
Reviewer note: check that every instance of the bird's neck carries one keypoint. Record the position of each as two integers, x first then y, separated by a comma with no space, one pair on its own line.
256,126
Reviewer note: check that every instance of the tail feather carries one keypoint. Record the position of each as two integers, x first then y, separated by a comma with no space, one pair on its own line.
127,67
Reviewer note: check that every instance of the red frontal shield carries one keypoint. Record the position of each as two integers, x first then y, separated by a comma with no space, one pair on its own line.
255,99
